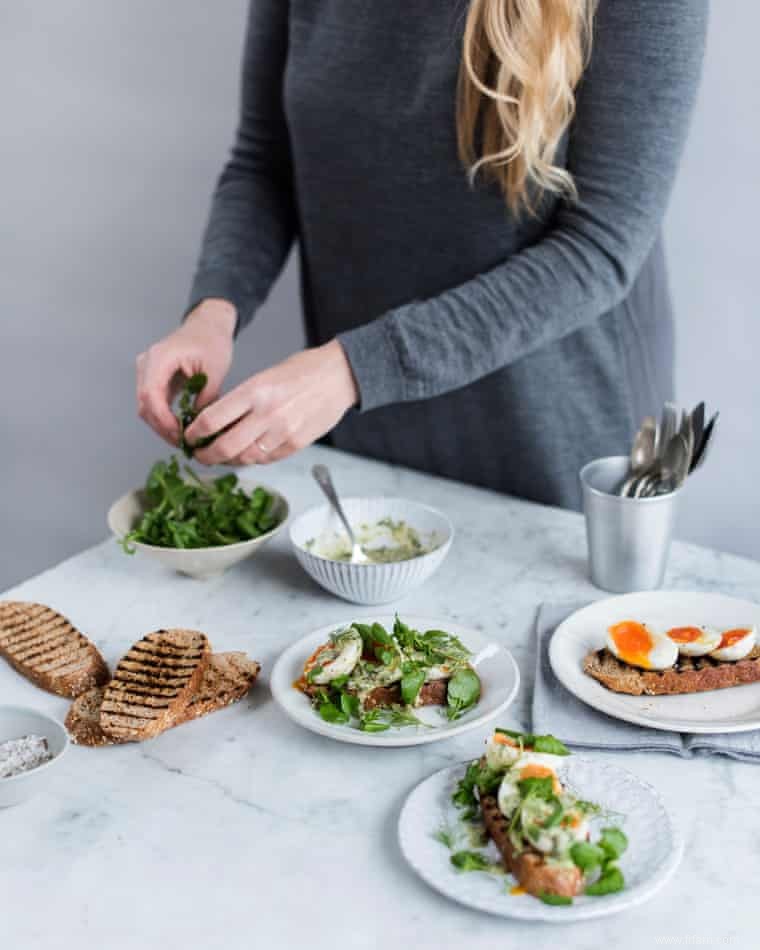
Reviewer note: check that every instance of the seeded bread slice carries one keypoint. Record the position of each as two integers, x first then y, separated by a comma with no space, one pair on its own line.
153,683
227,679
696,674
48,650
529,867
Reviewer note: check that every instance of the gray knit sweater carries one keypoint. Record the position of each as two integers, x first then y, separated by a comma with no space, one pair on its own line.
505,351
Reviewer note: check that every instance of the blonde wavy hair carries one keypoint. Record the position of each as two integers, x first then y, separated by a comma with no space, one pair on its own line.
521,63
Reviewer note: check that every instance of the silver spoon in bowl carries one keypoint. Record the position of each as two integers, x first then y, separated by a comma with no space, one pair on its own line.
322,477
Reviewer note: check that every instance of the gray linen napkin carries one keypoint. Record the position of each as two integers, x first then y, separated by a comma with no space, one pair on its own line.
557,711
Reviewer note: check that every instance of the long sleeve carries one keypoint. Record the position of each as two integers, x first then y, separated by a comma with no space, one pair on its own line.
632,117
252,222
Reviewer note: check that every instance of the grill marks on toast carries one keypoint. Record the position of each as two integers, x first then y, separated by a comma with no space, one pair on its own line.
689,674
227,679
152,683
48,650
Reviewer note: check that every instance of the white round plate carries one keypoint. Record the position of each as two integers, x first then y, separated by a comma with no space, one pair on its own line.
496,667
654,849
736,709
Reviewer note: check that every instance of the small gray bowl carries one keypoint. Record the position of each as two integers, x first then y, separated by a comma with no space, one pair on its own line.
18,721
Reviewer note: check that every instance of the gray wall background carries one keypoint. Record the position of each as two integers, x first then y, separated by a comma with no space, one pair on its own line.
116,119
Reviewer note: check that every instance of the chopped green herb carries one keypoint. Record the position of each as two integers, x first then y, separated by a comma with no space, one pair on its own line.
471,861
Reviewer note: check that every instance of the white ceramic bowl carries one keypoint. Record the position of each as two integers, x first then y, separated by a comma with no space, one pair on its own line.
371,583
18,721
124,514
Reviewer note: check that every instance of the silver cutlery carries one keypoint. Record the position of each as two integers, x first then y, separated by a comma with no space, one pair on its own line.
322,477
665,453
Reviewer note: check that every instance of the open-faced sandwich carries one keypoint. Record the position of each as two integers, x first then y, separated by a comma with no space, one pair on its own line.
514,796
374,679
640,660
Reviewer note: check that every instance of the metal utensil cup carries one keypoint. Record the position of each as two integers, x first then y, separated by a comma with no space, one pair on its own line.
628,538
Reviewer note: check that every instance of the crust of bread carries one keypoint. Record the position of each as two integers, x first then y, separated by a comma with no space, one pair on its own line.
528,867
153,683
689,675
227,679
46,648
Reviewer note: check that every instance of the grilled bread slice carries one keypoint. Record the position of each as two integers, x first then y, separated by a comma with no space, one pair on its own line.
529,867
48,650
690,674
152,683
227,679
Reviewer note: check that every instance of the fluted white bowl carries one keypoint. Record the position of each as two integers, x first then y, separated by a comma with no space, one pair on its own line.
371,583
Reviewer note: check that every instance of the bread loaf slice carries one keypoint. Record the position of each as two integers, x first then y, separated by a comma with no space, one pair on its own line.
153,683
48,650
227,679
529,867
690,674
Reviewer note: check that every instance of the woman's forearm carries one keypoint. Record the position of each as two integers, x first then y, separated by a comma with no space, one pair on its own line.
626,140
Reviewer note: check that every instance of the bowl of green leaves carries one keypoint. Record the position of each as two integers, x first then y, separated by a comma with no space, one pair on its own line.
196,525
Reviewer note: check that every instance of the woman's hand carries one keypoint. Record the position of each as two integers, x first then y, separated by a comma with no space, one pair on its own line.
280,410
203,343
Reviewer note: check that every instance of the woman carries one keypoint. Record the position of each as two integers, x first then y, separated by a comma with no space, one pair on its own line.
477,190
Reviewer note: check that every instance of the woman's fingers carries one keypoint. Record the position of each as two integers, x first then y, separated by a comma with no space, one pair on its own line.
154,378
230,445
217,416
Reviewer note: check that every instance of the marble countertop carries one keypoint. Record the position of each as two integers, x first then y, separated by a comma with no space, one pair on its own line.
243,829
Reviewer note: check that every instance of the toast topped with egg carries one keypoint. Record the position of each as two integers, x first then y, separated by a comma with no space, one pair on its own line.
637,660
46,648
375,678
540,827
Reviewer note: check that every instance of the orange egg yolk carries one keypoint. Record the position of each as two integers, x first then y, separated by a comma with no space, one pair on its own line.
633,641
500,739
685,634
730,637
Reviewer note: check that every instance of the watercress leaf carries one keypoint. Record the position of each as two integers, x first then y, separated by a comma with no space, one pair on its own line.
536,787
610,882
586,856
381,635
350,705
411,683
556,900
331,713
339,681
462,692
613,842
549,745
470,861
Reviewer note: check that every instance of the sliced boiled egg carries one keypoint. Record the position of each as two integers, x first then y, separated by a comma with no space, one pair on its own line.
694,641
527,765
735,644
638,645
336,658
501,751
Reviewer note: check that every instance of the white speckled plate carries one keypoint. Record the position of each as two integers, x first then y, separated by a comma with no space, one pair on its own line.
496,667
736,709
654,851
